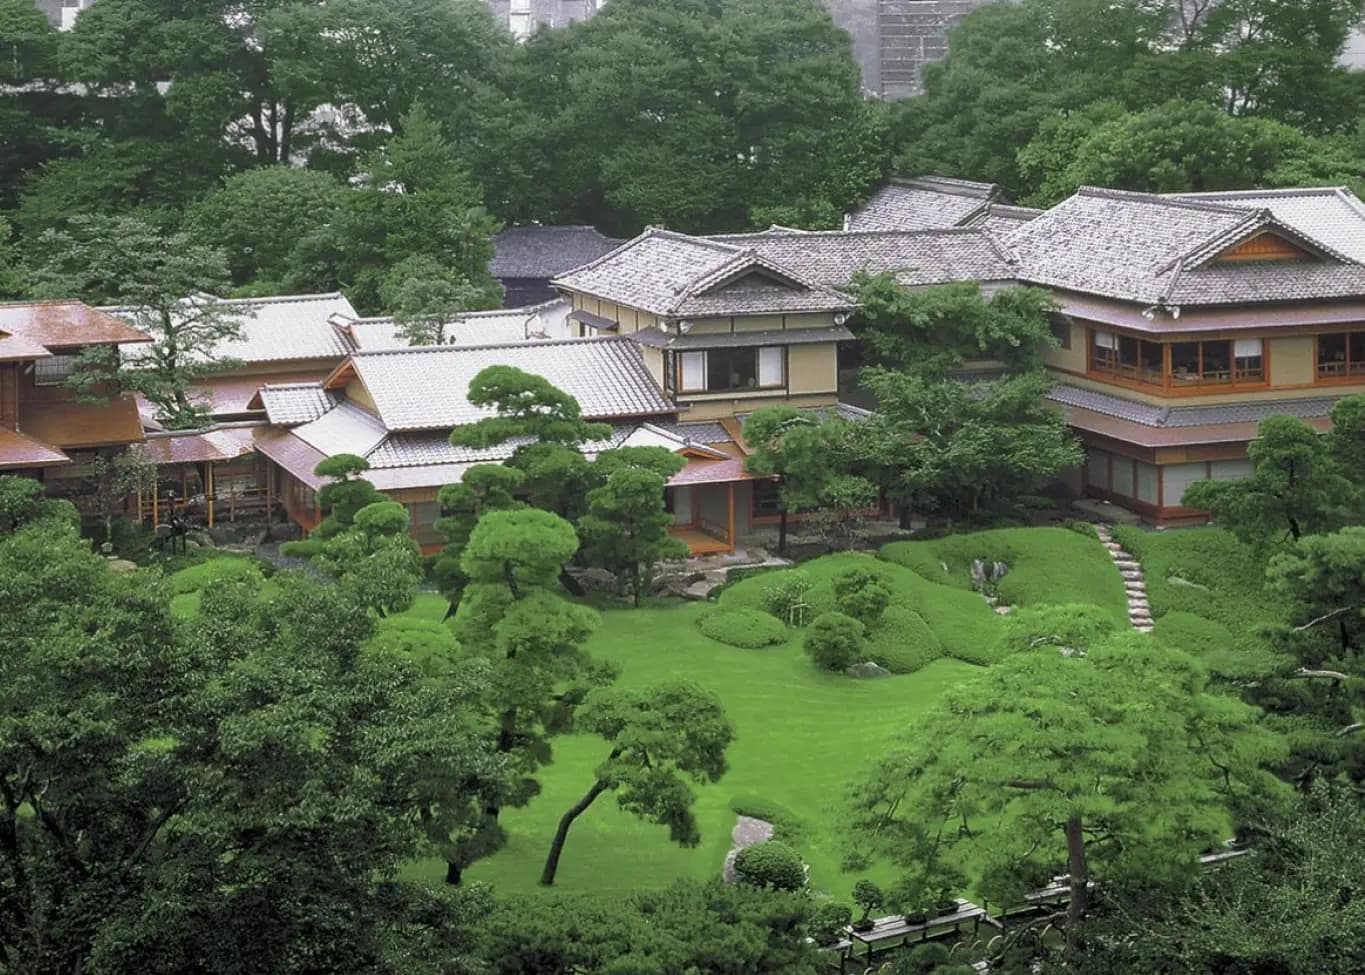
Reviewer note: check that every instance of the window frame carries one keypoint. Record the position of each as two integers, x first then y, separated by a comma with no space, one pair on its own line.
70,358
1134,373
705,388
1352,363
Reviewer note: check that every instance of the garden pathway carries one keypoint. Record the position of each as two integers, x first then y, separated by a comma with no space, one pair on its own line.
747,832
1134,584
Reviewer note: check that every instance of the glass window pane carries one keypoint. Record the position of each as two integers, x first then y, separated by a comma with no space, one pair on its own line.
53,371
1123,476
728,369
770,366
1332,355
1146,483
1217,362
693,370
1185,362
1357,350
1097,469
1230,470
1175,478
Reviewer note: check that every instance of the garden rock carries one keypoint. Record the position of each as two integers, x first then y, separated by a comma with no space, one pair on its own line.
868,668
122,565
747,832
595,580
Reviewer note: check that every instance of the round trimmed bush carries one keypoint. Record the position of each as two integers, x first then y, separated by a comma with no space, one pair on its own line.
746,628
835,641
771,864
827,923
213,571
902,641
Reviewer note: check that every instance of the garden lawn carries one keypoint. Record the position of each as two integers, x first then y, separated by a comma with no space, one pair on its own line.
800,734
1047,565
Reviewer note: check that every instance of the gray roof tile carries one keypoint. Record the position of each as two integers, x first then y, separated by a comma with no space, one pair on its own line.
544,252
921,204
1150,415
1331,214
426,388
289,404
789,336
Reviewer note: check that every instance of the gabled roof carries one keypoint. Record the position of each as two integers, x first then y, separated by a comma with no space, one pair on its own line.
544,252
922,203
280,329
427,388
17,450
290,404
1331,214
345,429
35,330
919,257
676,276
1160,250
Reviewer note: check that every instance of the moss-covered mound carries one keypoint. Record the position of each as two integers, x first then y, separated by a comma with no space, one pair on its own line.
750,629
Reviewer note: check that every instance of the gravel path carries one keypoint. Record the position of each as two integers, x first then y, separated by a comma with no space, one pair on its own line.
747,832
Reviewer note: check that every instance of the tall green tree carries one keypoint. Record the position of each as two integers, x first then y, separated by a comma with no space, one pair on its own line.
166,285
376,560
626,527
28,105
233,793
1120,762
661,737
814,459
963,449
484,488
513,617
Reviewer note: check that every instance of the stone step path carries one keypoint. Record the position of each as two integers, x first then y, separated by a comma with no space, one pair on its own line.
747,832
1134,584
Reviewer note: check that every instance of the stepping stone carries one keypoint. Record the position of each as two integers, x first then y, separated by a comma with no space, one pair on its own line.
1128,565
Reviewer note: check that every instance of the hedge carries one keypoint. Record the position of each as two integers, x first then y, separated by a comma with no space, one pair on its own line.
902,641
215,570
771,864
750,629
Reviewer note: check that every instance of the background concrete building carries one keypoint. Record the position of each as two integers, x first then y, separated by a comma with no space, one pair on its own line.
524,17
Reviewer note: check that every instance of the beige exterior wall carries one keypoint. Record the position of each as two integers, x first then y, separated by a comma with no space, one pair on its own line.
716,409
654,362
813,368
1072,358
630,319
358,394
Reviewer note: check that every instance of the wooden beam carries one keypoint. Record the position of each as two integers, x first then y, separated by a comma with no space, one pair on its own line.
730,534
208,493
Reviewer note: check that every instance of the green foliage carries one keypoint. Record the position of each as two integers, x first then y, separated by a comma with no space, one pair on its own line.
771,864
869,897
484,487
526,406
835,641
248,729
930,331
215,572
519,547
828,921
747,628
1046,565
1068,628
427,643
662,738
963,449
626,527
1040,740
860,593
903,642
962,622
167,283
785,595
787,825
22,502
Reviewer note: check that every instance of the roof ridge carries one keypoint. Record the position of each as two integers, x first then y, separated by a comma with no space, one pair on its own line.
1273,191
280,299
1156,199
299,385
55,301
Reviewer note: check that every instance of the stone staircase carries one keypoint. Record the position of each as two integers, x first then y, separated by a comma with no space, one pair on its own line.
1134,585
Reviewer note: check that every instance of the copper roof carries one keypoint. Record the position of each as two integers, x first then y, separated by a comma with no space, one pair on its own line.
64,324
17,450
210,445
1142,435
713,472
86,425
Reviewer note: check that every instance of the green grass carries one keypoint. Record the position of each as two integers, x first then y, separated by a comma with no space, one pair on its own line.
800,735
1047,565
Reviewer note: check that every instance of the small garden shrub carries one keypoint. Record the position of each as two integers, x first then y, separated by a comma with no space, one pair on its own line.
835,641
860,593
785,596
746,628
428,643
827,923
902,641
1075,627
772,864
212,571
1223,652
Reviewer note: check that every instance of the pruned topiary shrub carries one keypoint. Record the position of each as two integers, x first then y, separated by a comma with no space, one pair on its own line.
746,628
902,641
860,593
785,596
827,923
835,641
1070,628
213,571
774,865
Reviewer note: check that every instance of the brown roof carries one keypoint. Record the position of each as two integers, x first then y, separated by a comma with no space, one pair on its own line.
713,472
17,450
63,324
86,425
291,453
211,445
1141,435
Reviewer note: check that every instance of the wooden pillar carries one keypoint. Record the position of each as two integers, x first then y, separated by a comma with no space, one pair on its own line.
269,492
156,496
208,492
139,504
730,535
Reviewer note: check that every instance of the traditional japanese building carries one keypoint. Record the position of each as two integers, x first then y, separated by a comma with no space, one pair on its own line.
47,431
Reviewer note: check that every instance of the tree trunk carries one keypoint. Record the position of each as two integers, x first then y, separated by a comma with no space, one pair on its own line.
454,874
1079,872
547,876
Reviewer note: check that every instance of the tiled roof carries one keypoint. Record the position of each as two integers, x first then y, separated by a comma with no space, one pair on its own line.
426,388
675,276
17,450
1153,249
921,204
346,429
544,252
279,329
32,330
1000,218
697,431
503,325
289,404
194,448
915,257
1150,415
1331,214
